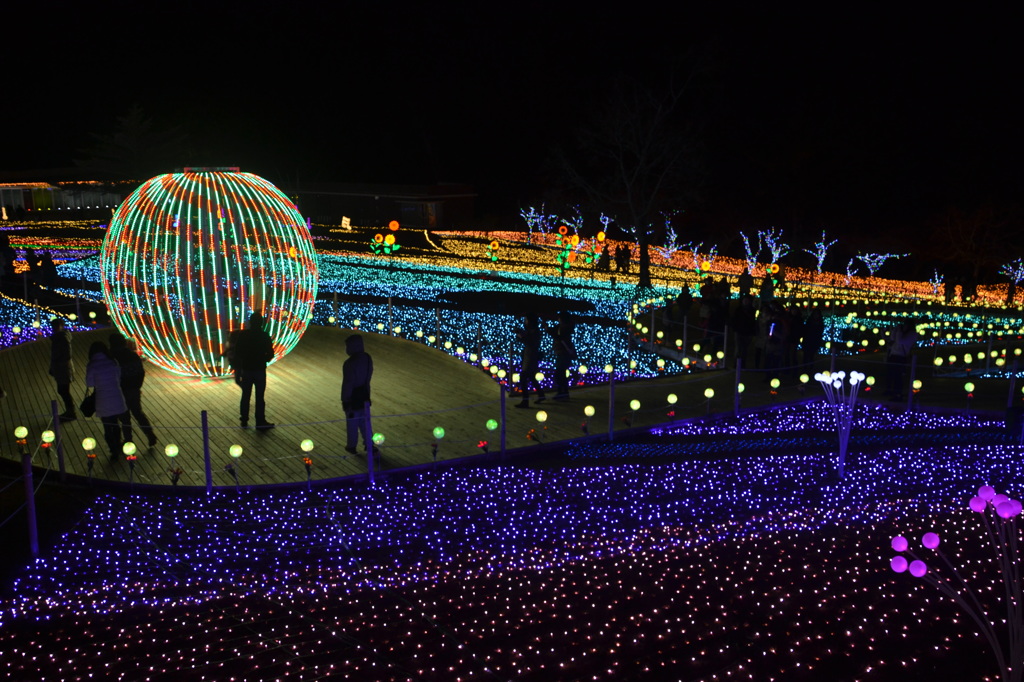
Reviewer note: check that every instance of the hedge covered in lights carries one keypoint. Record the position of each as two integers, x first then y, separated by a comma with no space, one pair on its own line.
189,256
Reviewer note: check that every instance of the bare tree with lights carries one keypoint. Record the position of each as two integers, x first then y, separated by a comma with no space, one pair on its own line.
936,282
851,270
1015,271
537,220
772,241
697,258
821,250
574,223
874,261
752,253
672,245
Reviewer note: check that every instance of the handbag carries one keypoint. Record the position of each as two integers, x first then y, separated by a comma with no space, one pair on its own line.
88,406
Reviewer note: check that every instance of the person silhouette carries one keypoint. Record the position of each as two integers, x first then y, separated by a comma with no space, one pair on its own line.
133,374
355,391
529,335
565,352
61,368
253,350
103,375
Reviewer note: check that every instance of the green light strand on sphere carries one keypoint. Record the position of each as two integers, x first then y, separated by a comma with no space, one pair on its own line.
188,257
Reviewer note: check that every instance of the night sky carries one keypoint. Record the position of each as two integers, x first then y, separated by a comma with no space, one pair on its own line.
855,118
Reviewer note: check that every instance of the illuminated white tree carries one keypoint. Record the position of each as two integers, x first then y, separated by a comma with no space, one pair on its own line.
820,250
575,223
537,220
672,245
1014,270
772,241
752,253
697,257
851,270
874,261
936,282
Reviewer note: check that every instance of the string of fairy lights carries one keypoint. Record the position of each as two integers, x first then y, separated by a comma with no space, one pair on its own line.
759,567
745,567
490,337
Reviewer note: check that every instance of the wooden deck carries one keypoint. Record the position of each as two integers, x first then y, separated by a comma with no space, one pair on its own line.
415,388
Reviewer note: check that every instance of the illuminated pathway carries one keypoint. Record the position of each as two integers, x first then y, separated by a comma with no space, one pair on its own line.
415,389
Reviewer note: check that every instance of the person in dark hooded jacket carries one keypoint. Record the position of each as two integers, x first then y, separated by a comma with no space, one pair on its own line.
133,374
61,368
253,350
355,391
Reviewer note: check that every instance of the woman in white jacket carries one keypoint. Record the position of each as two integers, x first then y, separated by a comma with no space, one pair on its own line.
103,375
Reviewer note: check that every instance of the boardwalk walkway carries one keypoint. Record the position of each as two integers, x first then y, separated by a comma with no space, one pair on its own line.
415,389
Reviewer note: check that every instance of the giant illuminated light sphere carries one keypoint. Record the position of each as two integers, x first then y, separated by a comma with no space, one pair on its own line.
189,256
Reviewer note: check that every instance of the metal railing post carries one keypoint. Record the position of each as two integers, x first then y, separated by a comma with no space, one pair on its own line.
910,386
58,440
30,502
206,451
1013,384
368,439
503,422
611,405
736,388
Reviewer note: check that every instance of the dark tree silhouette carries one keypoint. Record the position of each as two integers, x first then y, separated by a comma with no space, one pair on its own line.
136,150
635,158
978,241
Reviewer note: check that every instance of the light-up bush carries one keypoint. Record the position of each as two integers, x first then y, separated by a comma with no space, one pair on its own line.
189,256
